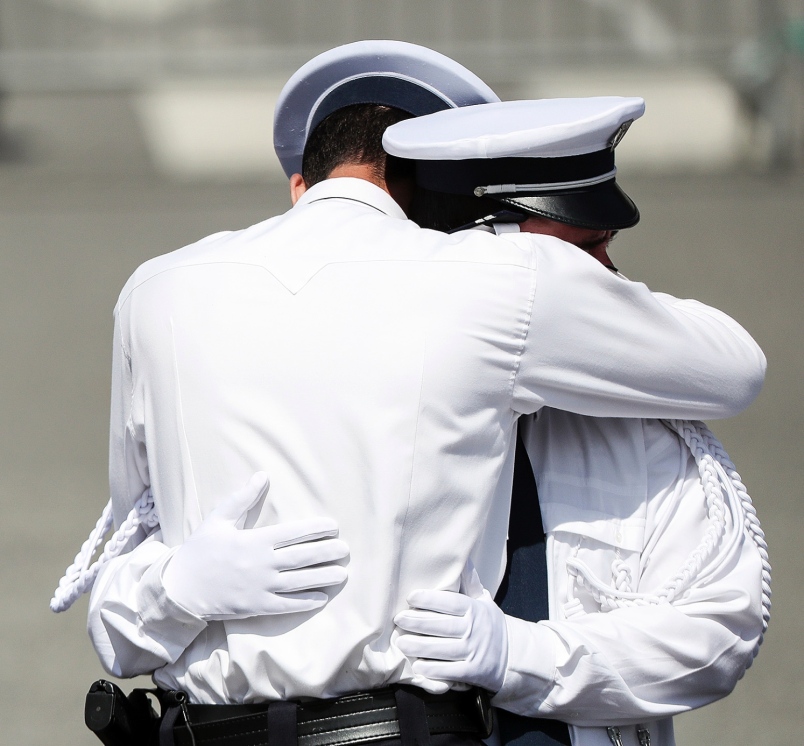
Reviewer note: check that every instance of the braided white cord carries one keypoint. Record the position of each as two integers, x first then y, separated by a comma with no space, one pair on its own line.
621,575
79,577
718,475
610,598
751,521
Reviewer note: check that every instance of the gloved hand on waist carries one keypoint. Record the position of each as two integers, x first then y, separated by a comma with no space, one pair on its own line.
223,571
456,637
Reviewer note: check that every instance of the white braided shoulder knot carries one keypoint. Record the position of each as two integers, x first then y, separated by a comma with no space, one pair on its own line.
724,491
79,577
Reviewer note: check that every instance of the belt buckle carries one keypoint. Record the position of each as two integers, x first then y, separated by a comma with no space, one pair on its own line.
485,711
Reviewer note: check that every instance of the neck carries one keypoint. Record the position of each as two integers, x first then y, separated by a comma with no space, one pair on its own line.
400,189
359,171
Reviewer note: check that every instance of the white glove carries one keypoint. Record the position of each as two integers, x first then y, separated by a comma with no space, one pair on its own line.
456,637
223,571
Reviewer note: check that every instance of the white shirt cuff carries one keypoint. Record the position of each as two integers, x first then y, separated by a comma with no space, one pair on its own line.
162,618
530,673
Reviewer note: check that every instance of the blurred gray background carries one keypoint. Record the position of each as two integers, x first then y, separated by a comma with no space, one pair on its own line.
129,128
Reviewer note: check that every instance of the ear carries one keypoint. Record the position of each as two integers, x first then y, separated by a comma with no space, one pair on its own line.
297,188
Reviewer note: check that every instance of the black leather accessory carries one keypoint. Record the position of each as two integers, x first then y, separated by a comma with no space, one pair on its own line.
404,712
118,719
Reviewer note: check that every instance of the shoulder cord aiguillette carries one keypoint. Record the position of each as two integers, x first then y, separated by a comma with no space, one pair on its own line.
724,491
79,577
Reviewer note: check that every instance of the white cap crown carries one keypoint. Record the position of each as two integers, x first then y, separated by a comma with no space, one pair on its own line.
545,128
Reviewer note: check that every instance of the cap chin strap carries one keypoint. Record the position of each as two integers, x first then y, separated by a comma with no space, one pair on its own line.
725,492
503,216
554,186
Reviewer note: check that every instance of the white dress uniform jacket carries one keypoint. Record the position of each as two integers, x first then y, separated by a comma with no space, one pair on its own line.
376,371
624,497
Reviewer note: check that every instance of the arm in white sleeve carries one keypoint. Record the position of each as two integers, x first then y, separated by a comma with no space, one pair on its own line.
649,661
134,625
149,606
645,661
601,345
129,474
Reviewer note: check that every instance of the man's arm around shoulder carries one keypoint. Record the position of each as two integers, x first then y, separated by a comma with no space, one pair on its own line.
601,345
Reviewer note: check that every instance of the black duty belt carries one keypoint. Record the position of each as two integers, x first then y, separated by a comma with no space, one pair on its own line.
394,712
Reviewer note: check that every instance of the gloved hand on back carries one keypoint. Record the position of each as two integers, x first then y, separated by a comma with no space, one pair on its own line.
223,571
456,637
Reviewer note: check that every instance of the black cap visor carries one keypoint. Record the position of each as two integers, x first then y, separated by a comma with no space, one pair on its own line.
600,207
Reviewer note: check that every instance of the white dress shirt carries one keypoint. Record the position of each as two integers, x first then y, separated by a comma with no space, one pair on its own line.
624,496
375,370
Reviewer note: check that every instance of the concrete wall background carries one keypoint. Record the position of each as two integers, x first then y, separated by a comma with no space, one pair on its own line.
726,73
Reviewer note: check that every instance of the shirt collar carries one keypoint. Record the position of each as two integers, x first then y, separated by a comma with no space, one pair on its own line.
357,190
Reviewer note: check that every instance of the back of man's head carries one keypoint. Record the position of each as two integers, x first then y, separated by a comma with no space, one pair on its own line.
393,74
352,136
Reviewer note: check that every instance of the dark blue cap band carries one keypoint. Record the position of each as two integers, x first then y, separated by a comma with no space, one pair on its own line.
463,176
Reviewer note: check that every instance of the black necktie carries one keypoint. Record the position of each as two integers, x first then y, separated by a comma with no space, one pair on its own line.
523,594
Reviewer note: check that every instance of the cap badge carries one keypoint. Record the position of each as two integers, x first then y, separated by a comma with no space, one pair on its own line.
619,134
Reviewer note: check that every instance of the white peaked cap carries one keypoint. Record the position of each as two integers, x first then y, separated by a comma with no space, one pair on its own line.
407,76
550,157
544,128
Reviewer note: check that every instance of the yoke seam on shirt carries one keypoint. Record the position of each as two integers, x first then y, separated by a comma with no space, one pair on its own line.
122,301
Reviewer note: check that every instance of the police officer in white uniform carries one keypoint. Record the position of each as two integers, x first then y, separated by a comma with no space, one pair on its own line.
377,371
639,601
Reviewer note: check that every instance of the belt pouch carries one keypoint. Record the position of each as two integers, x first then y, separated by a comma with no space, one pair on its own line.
117,719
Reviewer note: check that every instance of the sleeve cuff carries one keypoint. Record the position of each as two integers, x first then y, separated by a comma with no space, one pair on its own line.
530,673
161,617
